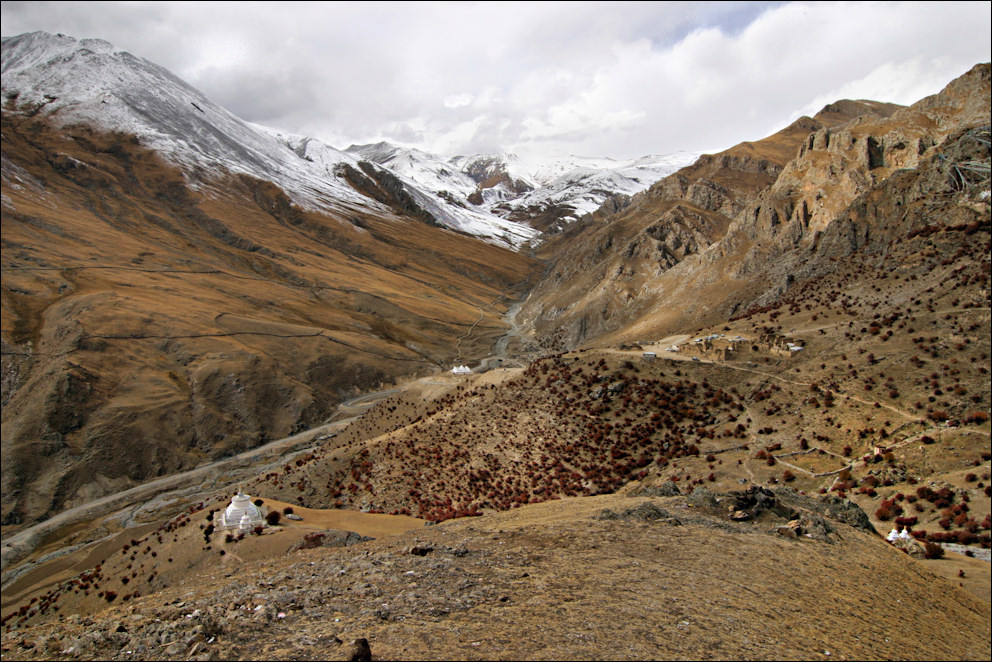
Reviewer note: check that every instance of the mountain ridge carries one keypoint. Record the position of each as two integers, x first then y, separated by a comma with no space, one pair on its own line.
126,290
698,205
761,361
208,136
111,88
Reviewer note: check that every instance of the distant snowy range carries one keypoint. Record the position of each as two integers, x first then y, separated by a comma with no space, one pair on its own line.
492,196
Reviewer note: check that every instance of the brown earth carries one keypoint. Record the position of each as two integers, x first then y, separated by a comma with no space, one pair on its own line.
175,549
886,288
202,322
607,577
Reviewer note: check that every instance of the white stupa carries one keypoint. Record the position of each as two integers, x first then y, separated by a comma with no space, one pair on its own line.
242,514
893,535
245,526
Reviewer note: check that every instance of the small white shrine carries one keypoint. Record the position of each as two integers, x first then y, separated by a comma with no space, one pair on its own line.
461,370
241,514
896,534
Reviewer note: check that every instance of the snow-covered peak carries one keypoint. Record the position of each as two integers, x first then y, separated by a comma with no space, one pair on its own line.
35,48
551,170
430,172
499,176
652,167
649,169
576,186
379,152
323,156
89,81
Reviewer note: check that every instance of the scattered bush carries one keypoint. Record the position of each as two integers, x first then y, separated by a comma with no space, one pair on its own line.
976,418
312,540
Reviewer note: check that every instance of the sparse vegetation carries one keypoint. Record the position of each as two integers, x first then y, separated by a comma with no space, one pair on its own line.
864,374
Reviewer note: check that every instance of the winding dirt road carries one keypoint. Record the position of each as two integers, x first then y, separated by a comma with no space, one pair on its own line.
215,474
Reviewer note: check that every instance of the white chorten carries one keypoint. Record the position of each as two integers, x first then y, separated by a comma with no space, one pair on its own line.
245,526
893,534
241,512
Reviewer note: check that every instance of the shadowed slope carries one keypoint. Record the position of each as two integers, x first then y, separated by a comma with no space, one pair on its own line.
149,326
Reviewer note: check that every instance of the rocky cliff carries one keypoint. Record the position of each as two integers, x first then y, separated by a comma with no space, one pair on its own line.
737,228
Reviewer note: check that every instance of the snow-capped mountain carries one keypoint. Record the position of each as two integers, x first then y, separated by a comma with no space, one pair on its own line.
498,177
428,171
570,188
499,184
477,182
90,81
492,196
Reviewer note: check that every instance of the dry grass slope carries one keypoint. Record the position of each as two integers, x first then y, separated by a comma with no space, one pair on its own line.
149,326
605,577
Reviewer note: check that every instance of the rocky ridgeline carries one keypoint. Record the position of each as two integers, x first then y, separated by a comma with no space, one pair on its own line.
835,166
759,215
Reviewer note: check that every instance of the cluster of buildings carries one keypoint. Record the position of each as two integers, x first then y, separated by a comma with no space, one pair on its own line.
717,346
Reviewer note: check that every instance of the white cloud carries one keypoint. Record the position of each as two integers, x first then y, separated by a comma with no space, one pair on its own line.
616,79
458,100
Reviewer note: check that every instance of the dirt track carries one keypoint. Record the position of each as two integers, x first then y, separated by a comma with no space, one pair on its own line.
215,474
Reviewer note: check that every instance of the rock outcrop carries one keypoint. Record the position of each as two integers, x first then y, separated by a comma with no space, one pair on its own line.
738,228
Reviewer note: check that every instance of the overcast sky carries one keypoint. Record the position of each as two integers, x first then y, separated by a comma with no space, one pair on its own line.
538,79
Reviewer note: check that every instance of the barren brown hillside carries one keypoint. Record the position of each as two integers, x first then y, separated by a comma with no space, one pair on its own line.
737,229
728,393
149,326
607,577
602,266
